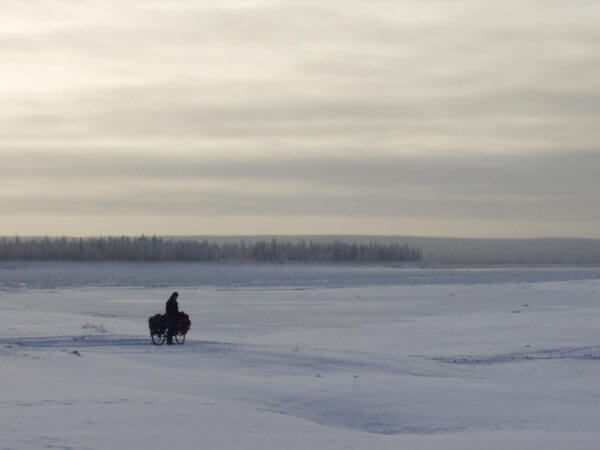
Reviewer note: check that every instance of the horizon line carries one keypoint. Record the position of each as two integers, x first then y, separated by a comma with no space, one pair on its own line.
300,235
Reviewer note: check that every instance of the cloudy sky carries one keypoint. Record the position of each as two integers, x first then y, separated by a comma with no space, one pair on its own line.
425,117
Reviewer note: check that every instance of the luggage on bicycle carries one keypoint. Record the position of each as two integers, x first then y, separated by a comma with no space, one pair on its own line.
183,323
157,324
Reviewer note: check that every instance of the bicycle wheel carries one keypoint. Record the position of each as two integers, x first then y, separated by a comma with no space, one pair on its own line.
180,338
158,339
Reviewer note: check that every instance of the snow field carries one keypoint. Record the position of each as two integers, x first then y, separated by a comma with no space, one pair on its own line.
459,366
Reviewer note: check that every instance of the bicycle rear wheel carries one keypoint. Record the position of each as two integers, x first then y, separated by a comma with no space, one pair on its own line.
180,338
158,339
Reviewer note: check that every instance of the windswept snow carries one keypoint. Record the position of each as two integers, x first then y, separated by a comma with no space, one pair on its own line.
294,357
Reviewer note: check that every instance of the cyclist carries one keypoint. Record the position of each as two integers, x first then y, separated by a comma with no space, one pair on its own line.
172,313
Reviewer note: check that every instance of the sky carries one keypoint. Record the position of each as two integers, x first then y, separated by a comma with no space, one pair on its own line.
468,118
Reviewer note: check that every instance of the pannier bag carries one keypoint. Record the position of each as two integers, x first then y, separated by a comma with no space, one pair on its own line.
184,323
157,324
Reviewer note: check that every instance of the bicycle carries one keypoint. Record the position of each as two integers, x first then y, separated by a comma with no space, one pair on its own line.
158,328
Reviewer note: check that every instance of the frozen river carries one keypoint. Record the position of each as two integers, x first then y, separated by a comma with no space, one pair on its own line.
300,356
53,275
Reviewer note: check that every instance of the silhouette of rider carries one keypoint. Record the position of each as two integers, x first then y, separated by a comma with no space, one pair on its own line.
172,313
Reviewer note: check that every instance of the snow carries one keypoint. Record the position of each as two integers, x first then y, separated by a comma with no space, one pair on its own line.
294,357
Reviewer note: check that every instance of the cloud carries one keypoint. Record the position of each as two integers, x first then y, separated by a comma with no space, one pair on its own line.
483,110
517,187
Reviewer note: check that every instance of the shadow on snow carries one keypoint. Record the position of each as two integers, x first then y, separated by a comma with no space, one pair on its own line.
591,353
92,341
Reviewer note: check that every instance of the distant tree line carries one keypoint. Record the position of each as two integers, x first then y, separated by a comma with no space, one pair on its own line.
160,249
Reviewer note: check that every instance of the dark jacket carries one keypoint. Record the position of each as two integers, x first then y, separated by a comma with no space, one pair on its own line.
172,308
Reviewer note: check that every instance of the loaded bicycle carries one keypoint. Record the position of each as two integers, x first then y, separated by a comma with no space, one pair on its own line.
158,325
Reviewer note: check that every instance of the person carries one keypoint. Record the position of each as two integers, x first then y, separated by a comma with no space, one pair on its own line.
172,313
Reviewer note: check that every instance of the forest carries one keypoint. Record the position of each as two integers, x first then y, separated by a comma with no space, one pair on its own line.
143,248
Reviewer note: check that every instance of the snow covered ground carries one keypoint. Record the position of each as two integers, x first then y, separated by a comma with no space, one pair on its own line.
300,357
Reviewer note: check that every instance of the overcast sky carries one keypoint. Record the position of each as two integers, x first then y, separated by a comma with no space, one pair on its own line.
425,117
